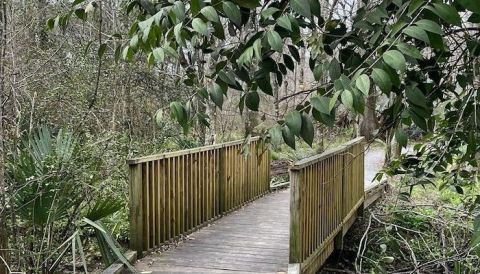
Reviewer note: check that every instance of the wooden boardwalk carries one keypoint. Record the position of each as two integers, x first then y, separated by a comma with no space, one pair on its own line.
257,237
253,239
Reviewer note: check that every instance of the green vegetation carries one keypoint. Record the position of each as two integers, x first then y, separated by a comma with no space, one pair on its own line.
84,85
429,233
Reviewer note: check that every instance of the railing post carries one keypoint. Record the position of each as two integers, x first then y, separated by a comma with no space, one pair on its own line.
136,209
296,244
222,178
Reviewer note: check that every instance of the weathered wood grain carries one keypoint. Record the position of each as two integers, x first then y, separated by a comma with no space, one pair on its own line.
253,239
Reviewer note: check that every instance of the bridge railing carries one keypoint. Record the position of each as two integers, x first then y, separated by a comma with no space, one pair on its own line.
175,193
326,192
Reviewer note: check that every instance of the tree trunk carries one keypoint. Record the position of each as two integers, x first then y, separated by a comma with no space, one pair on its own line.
369,122
3,206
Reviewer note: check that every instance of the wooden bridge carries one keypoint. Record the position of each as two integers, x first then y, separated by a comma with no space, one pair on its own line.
219,197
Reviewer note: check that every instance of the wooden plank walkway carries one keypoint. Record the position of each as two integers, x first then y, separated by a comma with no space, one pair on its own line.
253,239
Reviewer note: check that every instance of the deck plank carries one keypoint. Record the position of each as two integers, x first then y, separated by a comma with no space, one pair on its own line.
253,239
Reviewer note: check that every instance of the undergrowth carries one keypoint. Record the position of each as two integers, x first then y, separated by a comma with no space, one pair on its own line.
429,233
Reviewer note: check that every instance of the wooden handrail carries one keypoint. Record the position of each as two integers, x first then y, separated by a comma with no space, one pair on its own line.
160,156
327,153
177,192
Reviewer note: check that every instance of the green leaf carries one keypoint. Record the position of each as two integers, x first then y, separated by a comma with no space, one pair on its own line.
418,120
127,53
227,77
252,100
170,51
363,84
333,100
395,59
200,26
177,31
301,7
134,42
471,5
334,69
101,50
178,112
417,33
246,57
232,12
195,6
307,130
382,80
150,59
318,72
216,95
288,137
257,48
416,96
401,137
447,12
210,13
429,25
266,13
275,41
321,103
50,23
159,55
265,86
409,50
293,120
288,62
347,98
284,22
275,135
179,11
80,13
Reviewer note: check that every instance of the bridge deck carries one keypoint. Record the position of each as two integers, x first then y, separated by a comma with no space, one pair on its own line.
253,239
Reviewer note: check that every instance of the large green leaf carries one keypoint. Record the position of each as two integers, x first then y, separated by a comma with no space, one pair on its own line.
275,41
216,95
395,59
321,103
266,13
363,84
293,120
416,96
284,22
347,99
401,137
429,25
210,13
471,5
252,100
307,130
246,57
288,137
417,33
301,7
382,80
200,26
334,69
233,12
447,12
409,50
